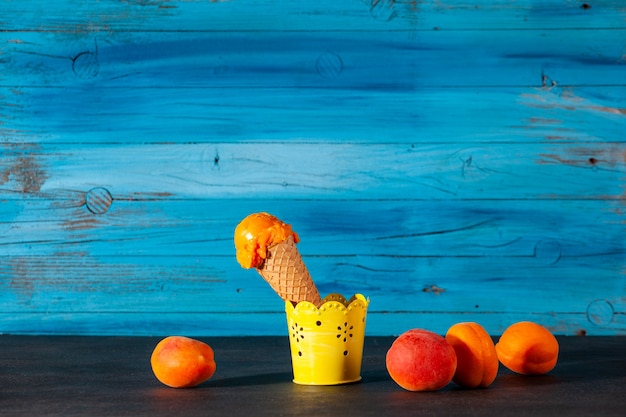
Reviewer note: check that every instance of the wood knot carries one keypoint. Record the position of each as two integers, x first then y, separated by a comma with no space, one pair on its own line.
600,313
383,10
85,65
329,65
548,251
98,200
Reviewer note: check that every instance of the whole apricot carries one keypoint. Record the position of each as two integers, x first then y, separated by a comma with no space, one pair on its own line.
182,362
420,360
528,348
477,361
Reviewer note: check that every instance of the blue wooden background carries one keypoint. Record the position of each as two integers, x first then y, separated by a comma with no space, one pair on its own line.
452,160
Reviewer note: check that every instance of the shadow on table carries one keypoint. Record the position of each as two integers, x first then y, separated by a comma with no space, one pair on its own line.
248,380
281,378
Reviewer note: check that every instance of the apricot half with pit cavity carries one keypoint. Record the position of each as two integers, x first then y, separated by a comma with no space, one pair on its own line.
528,348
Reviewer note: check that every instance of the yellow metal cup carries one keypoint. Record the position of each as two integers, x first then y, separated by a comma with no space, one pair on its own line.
327,342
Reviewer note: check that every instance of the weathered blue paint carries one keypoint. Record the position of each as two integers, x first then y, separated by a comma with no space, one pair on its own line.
503,116
339,59
251,15
453,161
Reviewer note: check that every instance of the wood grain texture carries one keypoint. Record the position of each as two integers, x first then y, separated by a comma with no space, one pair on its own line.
511,115
252,15
104,376
330,59
453,161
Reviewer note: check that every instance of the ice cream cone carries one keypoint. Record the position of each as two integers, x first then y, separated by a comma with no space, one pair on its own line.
286,273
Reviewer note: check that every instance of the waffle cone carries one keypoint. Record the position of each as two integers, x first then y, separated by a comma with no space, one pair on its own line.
286,273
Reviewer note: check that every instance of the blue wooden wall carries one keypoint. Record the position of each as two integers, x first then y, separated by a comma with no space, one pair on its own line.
452,160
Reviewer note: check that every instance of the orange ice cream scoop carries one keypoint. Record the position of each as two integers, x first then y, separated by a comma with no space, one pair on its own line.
257,232
264,242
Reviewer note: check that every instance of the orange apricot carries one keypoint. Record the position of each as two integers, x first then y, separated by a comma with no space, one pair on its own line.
528,348
477,361
182,362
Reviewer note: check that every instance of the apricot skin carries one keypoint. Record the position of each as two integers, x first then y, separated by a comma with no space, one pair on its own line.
528,348
477,361
420,360
182,362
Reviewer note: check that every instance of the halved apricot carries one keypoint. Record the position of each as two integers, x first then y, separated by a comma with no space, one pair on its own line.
477,362
528,348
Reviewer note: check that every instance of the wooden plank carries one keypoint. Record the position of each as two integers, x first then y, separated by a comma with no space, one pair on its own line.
339,59
407,284
89,115
250,15
444,228
273,324
308,170
433,275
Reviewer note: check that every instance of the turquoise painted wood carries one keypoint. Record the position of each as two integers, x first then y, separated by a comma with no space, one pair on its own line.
451,160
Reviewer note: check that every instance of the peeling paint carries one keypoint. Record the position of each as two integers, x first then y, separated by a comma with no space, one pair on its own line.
612,110
22,168
566,99
80,220
433,289
607,157
544,121
148,196
21,279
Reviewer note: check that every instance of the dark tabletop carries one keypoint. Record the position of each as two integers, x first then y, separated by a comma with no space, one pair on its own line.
111,376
